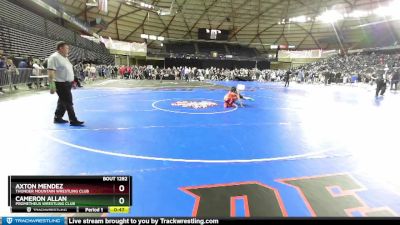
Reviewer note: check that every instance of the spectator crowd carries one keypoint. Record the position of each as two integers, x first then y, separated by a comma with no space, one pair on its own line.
333,70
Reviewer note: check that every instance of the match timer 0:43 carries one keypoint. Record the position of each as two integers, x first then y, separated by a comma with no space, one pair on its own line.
64,194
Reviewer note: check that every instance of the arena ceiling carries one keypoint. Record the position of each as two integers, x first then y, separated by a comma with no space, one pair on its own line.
257,23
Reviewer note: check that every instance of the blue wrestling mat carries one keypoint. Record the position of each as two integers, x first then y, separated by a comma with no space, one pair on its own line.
299,151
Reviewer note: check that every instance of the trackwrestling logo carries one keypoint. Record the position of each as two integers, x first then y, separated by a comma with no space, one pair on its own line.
33,220
195,104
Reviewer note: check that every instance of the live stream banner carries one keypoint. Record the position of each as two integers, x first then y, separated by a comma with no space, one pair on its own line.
178,220
209,221
137,221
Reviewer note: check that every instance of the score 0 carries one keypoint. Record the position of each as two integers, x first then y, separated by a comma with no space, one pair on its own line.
121,200
122,194
121,188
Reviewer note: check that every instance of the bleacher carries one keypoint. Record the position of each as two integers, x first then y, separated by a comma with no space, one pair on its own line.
76,54
27,44
241,51
90,55
4,37
181,48
22,18
23,33
83,42
58,32
207,48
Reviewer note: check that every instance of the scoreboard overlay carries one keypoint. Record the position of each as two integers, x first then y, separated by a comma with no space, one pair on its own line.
69,194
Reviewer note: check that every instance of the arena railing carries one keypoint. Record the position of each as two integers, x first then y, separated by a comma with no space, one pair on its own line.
4,78
10,78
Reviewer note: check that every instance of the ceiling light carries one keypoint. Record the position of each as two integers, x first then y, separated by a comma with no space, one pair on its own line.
298,19
389,11
358,14
93,3
163,12
146,6
330,16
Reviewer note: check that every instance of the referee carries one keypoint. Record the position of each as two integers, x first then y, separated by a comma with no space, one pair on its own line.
61,75
380,76
287,77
